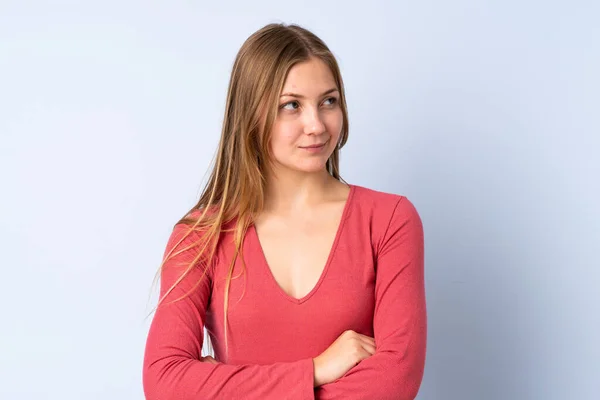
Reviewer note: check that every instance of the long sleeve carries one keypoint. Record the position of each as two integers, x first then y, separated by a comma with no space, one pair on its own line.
172,369
396,369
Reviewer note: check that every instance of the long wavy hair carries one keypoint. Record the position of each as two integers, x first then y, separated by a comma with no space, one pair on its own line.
235,190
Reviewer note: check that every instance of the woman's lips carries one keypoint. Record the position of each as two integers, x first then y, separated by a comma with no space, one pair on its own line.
315,147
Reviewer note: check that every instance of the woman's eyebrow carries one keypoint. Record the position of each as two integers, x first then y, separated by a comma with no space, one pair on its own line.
302,97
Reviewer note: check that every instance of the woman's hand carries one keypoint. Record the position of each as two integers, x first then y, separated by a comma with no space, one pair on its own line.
346,352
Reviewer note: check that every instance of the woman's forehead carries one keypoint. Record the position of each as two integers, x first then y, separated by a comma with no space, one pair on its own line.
309,79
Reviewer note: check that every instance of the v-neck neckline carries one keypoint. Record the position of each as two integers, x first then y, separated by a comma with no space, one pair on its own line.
338,234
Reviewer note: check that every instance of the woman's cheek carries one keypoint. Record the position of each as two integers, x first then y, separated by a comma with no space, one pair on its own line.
289,134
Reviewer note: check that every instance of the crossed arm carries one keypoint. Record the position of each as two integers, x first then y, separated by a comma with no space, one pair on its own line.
395,371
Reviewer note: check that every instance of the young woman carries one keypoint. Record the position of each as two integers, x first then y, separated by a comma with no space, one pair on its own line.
308,287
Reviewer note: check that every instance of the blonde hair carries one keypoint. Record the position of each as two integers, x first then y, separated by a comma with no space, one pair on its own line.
235,188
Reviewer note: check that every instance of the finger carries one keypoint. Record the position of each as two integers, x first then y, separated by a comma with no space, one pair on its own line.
367,339
364,354
369,348
355,334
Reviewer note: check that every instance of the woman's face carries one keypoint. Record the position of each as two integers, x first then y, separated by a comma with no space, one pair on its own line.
309,119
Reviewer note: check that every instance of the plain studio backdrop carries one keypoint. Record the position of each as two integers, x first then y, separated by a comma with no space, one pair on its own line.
486,114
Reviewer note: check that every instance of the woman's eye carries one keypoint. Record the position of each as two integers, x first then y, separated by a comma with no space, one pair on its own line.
294,105
332,100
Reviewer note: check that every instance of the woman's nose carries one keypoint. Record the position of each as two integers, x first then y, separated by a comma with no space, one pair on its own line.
314,123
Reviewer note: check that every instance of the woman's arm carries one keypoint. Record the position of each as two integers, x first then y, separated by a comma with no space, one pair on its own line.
172,369
396,369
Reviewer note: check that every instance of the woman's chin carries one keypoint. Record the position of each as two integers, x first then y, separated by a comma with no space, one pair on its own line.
312,166
307,165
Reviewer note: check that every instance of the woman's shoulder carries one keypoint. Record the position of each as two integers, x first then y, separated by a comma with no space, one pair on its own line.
195,225
378,199
382,207
207,214
386,213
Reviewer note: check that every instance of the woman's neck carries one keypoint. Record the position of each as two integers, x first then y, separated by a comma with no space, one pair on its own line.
290,193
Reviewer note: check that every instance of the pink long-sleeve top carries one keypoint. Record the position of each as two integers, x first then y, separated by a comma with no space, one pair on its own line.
372,283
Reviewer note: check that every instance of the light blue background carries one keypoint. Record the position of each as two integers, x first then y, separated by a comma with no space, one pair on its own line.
485,114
